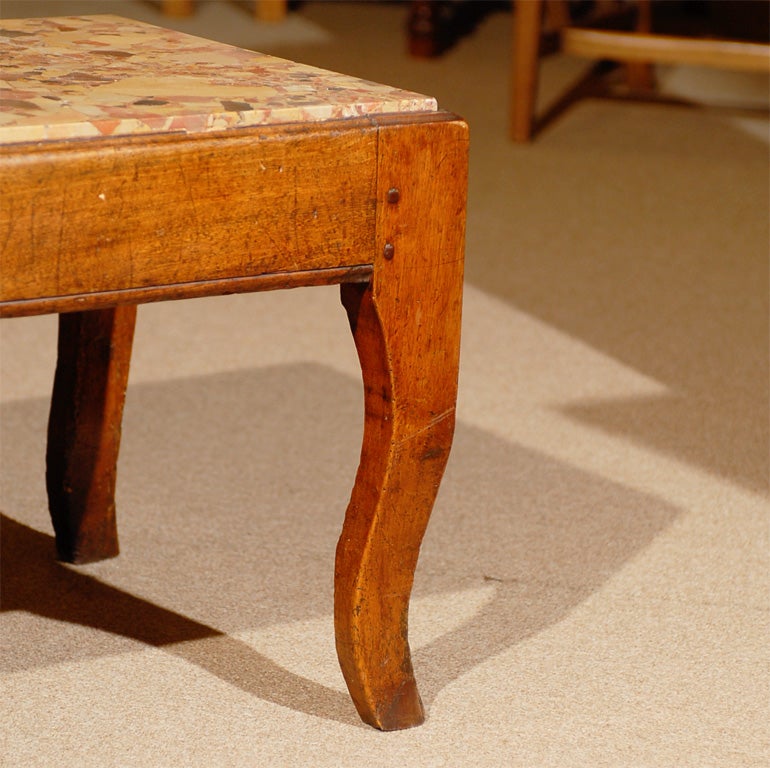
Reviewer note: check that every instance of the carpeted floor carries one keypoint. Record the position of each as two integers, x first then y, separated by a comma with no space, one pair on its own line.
593,589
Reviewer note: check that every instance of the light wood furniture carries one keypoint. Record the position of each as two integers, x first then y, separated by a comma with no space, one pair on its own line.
635,48
149,166
264,10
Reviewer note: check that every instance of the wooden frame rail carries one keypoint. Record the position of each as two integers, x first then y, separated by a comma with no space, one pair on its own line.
666,49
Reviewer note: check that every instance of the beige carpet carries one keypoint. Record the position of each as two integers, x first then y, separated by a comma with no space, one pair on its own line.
593,589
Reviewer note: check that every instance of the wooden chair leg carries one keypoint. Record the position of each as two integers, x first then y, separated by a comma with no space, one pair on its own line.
641,74
89,388
406,326
178,7
270,10
527,21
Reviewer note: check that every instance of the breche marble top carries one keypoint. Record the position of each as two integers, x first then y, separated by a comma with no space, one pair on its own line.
87,76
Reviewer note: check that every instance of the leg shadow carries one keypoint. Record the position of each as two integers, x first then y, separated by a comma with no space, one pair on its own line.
546,534
32,581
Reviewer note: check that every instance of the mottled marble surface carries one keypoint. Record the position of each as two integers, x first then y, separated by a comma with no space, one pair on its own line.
75,77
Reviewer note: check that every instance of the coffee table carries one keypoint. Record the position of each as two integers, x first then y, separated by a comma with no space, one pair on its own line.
138,164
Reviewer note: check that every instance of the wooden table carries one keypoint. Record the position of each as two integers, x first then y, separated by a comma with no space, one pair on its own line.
139,164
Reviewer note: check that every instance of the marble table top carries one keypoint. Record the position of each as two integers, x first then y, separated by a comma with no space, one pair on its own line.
87,76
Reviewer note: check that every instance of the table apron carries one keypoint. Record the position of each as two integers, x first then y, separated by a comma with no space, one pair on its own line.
109,216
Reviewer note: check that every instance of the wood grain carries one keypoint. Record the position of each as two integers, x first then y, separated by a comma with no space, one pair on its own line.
110,215
406,326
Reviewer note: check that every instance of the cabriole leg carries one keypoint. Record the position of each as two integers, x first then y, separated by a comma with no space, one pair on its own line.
406,325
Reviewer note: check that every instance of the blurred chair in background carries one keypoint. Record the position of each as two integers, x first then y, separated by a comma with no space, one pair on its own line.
636,47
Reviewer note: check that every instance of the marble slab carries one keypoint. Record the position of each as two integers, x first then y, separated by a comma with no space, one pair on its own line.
87,76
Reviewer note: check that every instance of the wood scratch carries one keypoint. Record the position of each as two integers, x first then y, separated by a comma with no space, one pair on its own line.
432,423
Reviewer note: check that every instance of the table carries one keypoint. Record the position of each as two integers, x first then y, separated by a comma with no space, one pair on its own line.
139,164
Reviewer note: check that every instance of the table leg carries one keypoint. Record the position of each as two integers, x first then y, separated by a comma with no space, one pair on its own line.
406,326
84,425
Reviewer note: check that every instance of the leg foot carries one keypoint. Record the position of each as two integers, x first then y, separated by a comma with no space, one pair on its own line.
84,430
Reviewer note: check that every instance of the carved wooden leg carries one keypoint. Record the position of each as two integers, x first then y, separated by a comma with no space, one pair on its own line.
84,430
406,325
